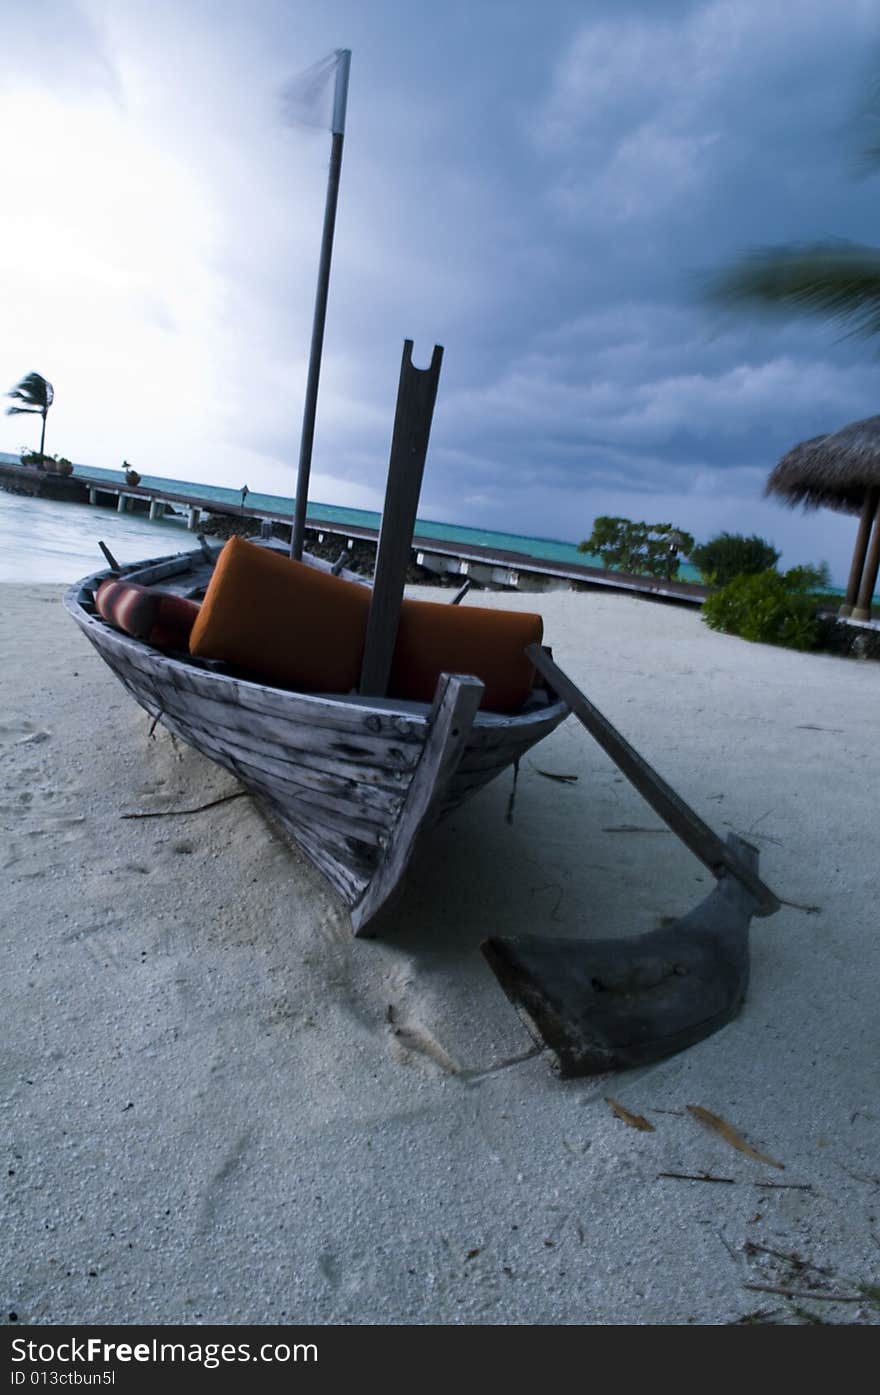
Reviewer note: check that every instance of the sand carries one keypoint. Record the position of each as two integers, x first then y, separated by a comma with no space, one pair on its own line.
207,1115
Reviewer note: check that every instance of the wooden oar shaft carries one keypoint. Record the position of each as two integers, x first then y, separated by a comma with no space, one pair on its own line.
672,809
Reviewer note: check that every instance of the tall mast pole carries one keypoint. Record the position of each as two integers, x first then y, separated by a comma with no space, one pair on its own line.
308,427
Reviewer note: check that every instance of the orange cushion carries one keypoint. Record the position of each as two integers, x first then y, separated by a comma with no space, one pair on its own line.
288,624
282,621
433,638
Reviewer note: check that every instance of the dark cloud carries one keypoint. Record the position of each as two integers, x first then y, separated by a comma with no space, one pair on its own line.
542,189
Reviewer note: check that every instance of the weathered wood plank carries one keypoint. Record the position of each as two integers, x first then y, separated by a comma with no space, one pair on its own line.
356,748
361,803
358,857
308,708
358,783
322,809
347,882
456,704
391,779
370,802
350,836
491,728
273,756
364,840
348,847
491,756
159,571
344,714
416,395
144,693
389,771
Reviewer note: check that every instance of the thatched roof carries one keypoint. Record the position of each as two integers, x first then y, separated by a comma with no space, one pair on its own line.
832,472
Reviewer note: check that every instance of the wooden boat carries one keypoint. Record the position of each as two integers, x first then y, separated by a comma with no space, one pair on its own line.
354,782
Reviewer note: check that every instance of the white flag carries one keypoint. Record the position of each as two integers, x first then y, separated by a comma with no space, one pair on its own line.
317,97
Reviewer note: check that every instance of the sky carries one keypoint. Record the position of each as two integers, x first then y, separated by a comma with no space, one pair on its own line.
542,188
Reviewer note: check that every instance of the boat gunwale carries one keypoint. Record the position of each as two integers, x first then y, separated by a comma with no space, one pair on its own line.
419,714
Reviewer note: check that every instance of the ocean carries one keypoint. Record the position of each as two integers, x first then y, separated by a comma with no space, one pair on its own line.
42,540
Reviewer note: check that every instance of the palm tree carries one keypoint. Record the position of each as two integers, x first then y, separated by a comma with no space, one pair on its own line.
36,394
839,280
836,279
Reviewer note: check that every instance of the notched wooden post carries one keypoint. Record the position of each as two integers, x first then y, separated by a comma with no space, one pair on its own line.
416,396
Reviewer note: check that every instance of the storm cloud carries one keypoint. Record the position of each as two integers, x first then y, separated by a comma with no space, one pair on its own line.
541,189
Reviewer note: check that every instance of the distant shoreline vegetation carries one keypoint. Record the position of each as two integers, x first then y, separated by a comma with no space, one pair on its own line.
541,548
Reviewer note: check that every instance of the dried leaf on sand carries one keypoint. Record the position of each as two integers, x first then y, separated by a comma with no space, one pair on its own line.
551,775
635,1121
729,1134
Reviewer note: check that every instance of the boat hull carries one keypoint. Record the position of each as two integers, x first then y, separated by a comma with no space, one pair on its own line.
353,783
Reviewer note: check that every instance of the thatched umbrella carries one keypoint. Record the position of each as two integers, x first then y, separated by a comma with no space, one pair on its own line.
841,471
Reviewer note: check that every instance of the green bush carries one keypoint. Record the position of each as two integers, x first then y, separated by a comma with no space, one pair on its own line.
815,579
730,555
641,549
769,607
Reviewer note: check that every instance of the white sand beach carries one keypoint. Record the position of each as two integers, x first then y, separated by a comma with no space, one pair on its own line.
218,1107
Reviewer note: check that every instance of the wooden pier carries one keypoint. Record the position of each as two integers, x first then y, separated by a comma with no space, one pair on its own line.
483,564
41,484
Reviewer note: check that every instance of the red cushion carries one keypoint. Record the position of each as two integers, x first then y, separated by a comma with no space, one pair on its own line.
159,618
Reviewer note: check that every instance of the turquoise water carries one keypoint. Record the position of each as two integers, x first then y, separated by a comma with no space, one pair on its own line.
547,549
42,540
